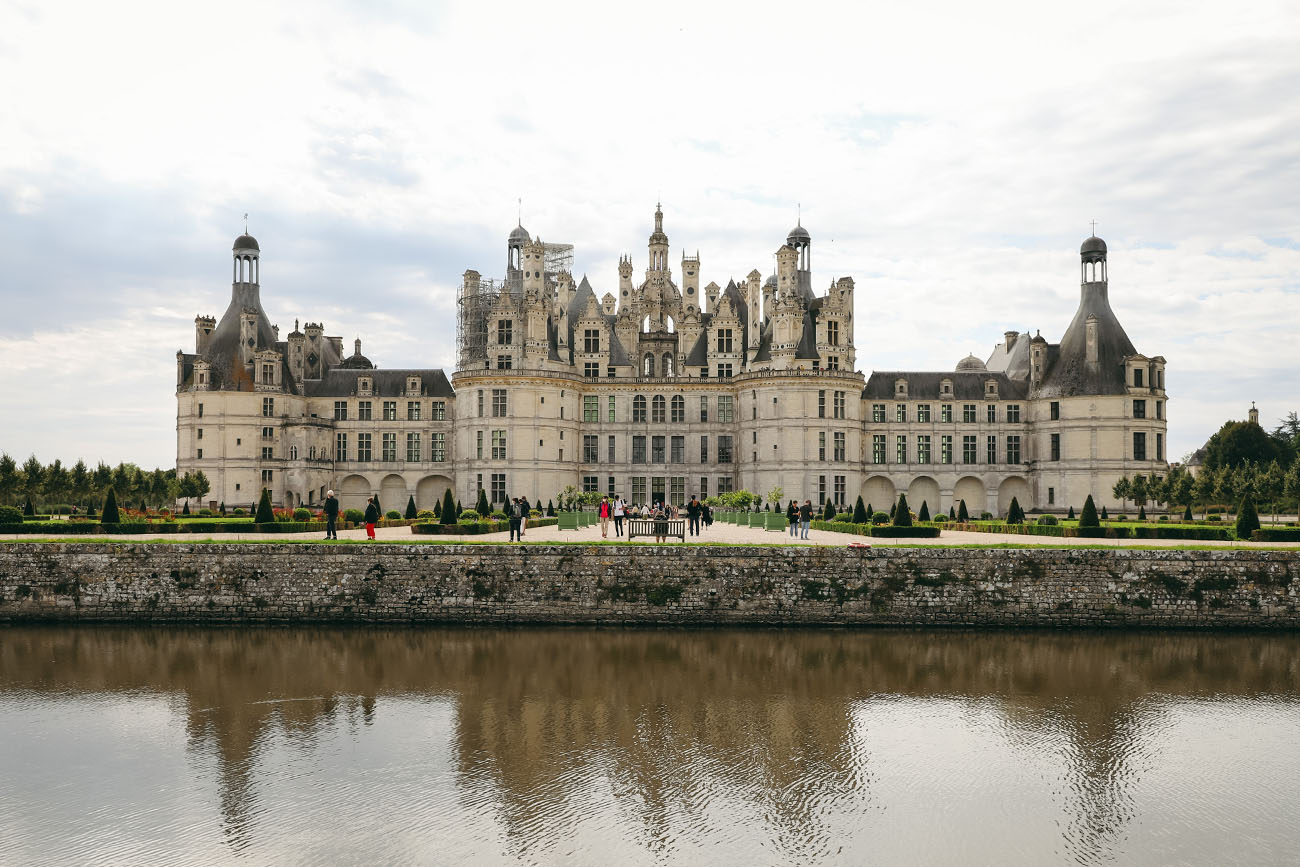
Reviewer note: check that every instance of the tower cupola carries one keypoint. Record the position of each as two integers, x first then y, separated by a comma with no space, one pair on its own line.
246,254
1093,260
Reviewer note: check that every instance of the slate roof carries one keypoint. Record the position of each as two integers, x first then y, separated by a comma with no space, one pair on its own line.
341,382
966,385
1068,371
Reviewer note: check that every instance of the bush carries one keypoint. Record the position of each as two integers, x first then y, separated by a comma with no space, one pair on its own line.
11,515
393,515
859,512
924,515
940,519
410,507
1121,517
354,516
1168,532
905,532
299,514
1015,514
447,515
1247,517
1215,517
1089,517
110,509
483,508
1103,512
205,513
1071,515
902,514
265,514
498,515
425,515
1047,521
1187,513
469,515
880,518
1142,513
1275,534
963,516
986,516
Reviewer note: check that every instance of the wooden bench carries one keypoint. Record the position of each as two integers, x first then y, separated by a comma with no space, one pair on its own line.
665,527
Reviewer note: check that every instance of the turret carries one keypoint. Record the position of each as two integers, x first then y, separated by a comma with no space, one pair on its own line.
658,246
691,281
534,261
203,327
753,297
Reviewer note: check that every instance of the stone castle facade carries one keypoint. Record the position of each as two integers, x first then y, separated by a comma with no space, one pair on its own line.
664,390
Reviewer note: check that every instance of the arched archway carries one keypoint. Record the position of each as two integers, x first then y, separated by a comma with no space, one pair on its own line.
393,492
353,491
430,490
879,492
924,490
972,491
1017,487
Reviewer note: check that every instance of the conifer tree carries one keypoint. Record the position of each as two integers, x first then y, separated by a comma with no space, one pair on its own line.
963,516
483,507
1089,516
859,512
871,512
1142,513
223,508
28,508
902,515
185,510
378,508
1247,517
829,511
550,508
1071,515
410,507
448,512
924,515
110,509
265,514
459,508
952,513
437,510
1104,516
1015,514
1187,513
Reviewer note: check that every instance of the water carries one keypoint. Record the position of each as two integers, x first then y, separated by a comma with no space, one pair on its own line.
139,746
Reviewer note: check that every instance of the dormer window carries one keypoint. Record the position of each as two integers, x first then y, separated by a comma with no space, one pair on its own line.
946,387
364,385
505,332
900,388
1137,377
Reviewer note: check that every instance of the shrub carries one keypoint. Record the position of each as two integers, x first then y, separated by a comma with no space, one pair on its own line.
1103,512
1047,521
1215,517
1142,513
11,515
550,509
1167,532
301,514
205,513
265,514
859,512
483,508
354,516
426,515
1275,534
239,513
986,516
1015,514
410,507
905,532
185,510
963,516
448,513
924,516
1247,517
393,515
902,514
498,515
469,515
1071,515
940,519
1089,517
880,518
1187,513
1121,517
110,509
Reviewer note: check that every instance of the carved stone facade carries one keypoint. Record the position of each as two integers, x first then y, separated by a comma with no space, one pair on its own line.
665,390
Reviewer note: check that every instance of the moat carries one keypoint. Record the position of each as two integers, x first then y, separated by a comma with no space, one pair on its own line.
577,746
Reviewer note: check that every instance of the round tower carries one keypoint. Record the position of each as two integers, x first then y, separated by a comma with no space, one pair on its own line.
246,252
801,241
515,248
658,243
1093,260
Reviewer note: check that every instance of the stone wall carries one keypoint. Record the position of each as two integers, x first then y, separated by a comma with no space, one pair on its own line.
226,583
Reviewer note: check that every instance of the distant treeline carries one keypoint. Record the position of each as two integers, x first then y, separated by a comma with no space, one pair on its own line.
56,484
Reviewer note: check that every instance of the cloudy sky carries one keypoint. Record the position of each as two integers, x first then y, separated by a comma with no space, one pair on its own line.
948,156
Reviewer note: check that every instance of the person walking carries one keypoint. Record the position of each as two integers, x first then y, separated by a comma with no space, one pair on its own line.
619,511
792,516
372,515
604,517
805,518
331,515
513,510
693,514
524,508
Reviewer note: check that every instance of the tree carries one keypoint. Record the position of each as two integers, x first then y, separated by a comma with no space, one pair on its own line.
1247,517
201,486
437,511
78,482
775,495
871,510
1241,442
1089,516
57,482
1187,513
265,514
859,512
1270,482
1291,484
1203,488
1104,516
447,514
1142,513
186,489
378,508
924,515
410,507
963,516
1140,490
829,511
28,508
952,513
1070,516
1122,490
902,515
459,508
9,480
33,477
1015,514
483,507
110,515
550,508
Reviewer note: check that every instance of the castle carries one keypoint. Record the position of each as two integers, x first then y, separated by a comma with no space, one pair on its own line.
662,391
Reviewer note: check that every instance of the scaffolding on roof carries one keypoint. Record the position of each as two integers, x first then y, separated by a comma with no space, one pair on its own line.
471,322
557,258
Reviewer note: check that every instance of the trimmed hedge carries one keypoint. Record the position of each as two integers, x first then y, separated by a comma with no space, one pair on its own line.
1276,534
476,528
884,532
90,528
1166,531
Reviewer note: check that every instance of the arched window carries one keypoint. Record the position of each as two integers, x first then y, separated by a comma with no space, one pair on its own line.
638,408
657,407
293,453
668,364
679,409
648,365
645,324
672,326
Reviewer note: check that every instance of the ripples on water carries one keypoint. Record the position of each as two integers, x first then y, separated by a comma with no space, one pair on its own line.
643,747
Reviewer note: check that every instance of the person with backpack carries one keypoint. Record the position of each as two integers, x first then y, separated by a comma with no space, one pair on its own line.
693,509
513,511
372,516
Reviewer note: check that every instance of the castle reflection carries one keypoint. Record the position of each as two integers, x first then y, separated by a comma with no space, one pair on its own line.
658,720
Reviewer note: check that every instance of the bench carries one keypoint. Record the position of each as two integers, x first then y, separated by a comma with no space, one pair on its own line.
666,527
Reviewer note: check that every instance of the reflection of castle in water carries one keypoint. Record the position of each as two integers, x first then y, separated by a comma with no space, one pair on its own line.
659,714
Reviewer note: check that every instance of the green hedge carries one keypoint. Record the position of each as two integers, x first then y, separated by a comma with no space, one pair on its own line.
841,527
1167,531
90,528
916,531
478,528
1276,534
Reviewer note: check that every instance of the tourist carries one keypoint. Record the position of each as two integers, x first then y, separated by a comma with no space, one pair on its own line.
512,512
604,517
372,516
693,514
620,508
792,515
805,518
331,516
645,510
707,513
525,508
661,525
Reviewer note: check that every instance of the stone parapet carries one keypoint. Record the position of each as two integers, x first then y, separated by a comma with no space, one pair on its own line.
644,584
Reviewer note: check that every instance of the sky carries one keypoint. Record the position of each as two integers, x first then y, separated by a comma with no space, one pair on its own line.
950,157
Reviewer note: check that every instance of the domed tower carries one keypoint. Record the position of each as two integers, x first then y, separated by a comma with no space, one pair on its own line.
658,245
247,268
515,250
801,241
1093,260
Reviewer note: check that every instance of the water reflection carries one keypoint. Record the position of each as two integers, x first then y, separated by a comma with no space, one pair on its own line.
731,746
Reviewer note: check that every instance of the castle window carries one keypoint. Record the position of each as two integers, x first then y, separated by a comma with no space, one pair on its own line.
839,446
480,402
340,410
945,412
1139,446
268,373
390,410
1056,410
1139,409
412,410
821,445
498,445
900,456
724,370
612,413
648,365
200,410
821,403
704,407
1013,449
968,449
1013,413
413,446
1160,446
478,443
724,451
505,332
724,340
726,412
591,369
677,450
991,451
945,449
341,447
877,448
613,442
268,433
268,453
438,410
1160,409
638,450
657,407
390,447
590,484
505,362
1056,447
704,449
923,449
363,410
923,414
678,409
293,453
200,433
200,454
657,450
268,407
438,448
591,340
839,404
1137,377
968,413
833,333
499,403
668,364
638,409
591,407
267,477
498,487
878,413
993,413
841,489
900,413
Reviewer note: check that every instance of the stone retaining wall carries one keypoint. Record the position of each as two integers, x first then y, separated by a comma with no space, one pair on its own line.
393,583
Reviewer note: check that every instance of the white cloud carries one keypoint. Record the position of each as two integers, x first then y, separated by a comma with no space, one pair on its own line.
948,156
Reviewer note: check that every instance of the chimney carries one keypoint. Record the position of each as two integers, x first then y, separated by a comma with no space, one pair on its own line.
1010,338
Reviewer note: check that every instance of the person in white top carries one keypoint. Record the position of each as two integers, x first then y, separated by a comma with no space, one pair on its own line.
619,511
